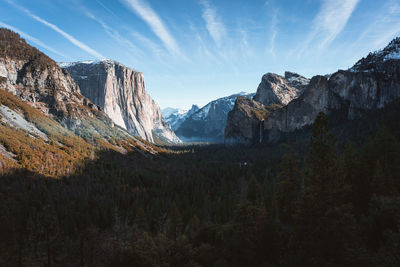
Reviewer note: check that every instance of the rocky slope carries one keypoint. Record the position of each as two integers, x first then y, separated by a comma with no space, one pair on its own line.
120,92
371,84
274,91
175,116
35,78
208,123
44,116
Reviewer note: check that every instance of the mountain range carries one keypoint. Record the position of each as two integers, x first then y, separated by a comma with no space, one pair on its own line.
206,124
107,101
91,174
175,116
371,84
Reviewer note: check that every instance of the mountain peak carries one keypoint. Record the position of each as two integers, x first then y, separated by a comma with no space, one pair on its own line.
193,109
280,90
289,74
369,63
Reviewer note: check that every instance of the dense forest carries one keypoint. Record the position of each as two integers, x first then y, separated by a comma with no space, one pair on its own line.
324,203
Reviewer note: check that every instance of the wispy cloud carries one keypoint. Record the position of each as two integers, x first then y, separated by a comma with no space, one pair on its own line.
274,32
329,22
215,27
144,10
156,49
106,8
383,26
115,34
33,40
244,43
203,50
70,38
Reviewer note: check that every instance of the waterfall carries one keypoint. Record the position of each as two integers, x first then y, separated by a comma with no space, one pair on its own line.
260,134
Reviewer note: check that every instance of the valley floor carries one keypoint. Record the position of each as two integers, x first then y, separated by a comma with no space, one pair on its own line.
316,204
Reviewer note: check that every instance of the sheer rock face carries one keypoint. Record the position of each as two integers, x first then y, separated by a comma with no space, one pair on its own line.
303,110
353,92
37,80
120,92
246,121
275,89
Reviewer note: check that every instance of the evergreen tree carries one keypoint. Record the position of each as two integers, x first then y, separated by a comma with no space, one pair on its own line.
324,205
291,178
175,223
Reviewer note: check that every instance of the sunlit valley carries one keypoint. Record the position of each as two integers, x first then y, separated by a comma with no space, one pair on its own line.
301,170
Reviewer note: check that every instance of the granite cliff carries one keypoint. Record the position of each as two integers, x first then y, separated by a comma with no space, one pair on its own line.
274,91
371,84
46,125
244,120
120,92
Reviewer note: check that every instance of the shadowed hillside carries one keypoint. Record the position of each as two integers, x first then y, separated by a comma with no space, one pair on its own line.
212,206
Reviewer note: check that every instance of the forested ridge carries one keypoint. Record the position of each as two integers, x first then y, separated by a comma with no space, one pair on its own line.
327,203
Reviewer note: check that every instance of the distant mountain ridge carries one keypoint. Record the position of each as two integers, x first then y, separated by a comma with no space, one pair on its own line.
207,124
175,116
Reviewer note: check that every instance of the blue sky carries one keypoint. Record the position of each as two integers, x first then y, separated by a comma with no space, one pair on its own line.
194,51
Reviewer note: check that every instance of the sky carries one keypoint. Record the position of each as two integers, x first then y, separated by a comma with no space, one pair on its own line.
195,51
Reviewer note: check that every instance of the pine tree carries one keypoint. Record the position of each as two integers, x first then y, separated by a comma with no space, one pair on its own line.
289,193
324,205
322,181
175,223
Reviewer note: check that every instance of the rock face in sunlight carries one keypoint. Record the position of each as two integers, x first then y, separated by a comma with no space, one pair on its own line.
208,123
46,125
37,80
371,84
275,89
120,92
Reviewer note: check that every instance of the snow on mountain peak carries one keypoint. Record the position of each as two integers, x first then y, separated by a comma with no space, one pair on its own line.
390,52
70,64
175,116
227,101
